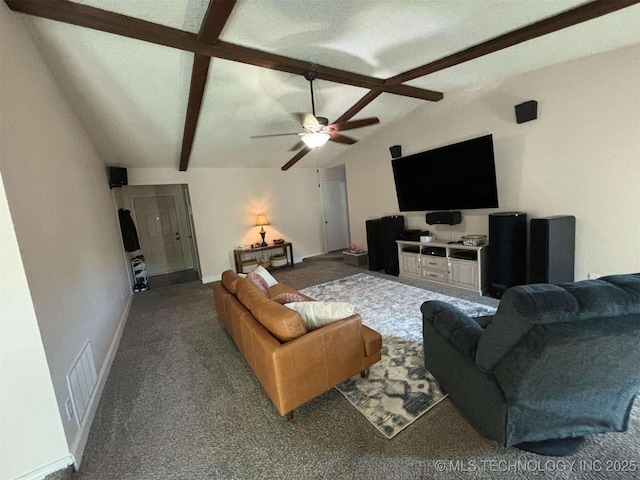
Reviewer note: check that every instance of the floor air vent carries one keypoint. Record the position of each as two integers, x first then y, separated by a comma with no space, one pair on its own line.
81,382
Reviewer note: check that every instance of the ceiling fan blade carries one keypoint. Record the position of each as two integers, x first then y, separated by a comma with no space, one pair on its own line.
296,158
298,117
274,135
363,122
310,123
297,146
336,137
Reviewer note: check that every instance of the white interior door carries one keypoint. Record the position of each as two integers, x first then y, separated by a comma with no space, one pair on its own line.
336,215
159,233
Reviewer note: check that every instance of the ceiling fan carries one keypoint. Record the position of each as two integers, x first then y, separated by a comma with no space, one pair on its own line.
316,130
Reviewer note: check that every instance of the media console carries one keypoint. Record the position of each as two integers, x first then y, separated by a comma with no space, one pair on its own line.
455,265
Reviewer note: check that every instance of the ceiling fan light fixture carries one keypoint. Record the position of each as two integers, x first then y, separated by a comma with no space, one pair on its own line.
315,139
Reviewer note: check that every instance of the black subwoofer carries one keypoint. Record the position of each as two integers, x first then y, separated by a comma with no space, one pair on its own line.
507,251
552,243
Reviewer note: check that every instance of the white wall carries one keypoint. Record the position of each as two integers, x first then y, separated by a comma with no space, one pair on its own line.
580,157
31,432
225,203
63,214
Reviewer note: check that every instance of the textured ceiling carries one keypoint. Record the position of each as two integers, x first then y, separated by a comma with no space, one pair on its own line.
132,95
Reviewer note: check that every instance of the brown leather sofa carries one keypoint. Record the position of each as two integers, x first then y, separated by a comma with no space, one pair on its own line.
293,365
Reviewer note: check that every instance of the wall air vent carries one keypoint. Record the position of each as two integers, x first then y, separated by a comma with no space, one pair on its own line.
81,382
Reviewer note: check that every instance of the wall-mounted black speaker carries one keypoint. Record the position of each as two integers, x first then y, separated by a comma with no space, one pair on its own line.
396,151
507,251
527,111
117,176
552,244
443,218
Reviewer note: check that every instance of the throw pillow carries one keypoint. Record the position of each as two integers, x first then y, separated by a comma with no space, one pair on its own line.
260,282
264,273
287,297
318,314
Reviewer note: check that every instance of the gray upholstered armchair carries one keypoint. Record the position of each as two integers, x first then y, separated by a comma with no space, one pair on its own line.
555,363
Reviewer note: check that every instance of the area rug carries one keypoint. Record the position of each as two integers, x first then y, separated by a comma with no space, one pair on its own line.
399,389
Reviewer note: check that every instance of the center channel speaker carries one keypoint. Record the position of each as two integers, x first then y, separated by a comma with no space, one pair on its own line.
507,251
443,218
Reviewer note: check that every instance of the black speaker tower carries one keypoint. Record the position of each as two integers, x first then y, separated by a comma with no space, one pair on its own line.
382,234
374,244
507,251
552,244
392,230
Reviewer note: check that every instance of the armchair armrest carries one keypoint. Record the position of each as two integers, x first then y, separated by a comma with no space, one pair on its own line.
459,330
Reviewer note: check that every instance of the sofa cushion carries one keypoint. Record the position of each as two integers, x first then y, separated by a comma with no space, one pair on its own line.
282,322
289,297
318,314
259,282
264,273
282,288
230,280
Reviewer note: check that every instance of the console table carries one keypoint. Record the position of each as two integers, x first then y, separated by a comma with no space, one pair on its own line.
286,247
455,265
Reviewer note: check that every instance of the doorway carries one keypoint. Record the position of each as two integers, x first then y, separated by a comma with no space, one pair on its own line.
159,232
165,229
336,215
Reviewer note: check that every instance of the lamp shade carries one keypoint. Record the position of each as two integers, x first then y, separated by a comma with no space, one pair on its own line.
315,140
262,220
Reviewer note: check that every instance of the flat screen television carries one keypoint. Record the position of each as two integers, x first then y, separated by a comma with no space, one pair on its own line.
454,177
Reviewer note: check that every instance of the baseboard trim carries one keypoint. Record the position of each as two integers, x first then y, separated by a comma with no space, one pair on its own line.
80,442
53,467
211,279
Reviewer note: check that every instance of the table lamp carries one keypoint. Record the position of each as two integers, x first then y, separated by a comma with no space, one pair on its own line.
260,221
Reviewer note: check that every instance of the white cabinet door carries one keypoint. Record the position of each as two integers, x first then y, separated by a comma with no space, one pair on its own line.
463,274
410,265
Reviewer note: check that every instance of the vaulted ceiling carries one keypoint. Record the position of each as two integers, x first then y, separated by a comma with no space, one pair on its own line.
131,82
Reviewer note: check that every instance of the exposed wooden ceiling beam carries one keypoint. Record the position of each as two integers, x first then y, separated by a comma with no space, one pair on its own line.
251,56
214,20
543,27
97,19
199,73
206,44
363,102
359,105
295,159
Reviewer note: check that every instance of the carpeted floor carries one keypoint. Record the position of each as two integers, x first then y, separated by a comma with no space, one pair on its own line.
181,403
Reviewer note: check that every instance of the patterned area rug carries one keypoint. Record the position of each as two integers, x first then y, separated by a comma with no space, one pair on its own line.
399,389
